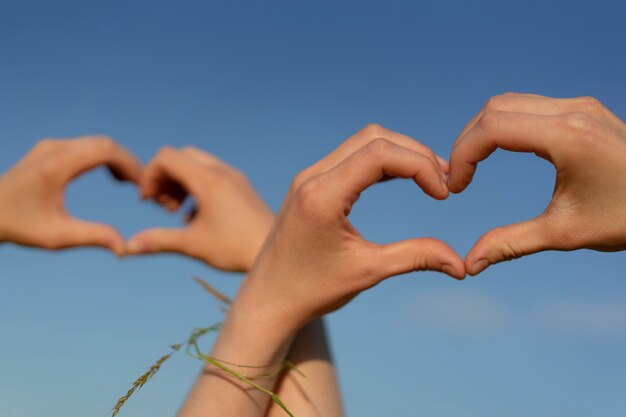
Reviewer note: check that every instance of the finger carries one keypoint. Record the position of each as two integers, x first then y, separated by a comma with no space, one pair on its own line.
157,240
515,102
518,132
170,194
507,243
378,159
169,174
85,153
416,255
366,135
539,105
202,156
76,232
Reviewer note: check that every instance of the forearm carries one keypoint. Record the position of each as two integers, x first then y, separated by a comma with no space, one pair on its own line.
247,338
317,392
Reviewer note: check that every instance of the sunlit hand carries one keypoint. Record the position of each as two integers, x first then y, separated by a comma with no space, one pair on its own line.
32,212
584,141
230,220
314,260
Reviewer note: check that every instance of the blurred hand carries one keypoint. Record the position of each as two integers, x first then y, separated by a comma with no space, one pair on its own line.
584,141
314,260
32,212
229,223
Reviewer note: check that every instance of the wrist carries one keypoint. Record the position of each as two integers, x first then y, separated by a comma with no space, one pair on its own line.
257,239
257,329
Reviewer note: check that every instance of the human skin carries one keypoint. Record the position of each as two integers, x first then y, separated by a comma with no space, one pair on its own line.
229,227
314,262
31,193
584,141
228,224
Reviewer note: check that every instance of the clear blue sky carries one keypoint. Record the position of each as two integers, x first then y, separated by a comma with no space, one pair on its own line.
271,87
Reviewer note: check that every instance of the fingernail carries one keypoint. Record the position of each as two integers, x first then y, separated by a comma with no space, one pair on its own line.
447,269
135,246
480,265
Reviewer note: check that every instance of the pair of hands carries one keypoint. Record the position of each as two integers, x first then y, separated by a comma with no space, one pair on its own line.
314,261
227,208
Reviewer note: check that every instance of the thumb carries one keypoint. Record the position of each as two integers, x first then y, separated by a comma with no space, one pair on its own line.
157,240
507,243
416,255
81,233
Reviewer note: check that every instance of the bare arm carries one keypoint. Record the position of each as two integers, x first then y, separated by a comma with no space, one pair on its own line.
317,393
226,231
312,263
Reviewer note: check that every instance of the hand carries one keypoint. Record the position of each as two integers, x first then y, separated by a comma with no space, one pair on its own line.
314,261
31,193
229,223
584,141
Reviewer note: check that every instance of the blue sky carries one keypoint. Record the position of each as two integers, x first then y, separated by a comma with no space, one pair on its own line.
271,87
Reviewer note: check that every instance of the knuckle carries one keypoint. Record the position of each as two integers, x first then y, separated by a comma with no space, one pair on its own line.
49,168
213,176
588,101
420,261
372,130
308,197
496,102
104,143
507,248
192,150
590,104
510,250
166,152
490,120
299,179
433,157
46,144
378,147
580,124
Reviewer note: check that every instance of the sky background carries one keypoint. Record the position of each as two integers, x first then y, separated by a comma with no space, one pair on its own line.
271,87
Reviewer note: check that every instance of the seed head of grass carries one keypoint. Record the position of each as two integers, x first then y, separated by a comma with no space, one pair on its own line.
141,381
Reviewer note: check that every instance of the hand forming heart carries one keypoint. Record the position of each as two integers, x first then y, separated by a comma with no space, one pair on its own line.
226,229
583,139
229,222
31,193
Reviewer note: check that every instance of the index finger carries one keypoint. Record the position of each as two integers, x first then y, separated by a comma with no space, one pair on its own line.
85,153
517,132
381,158
369,133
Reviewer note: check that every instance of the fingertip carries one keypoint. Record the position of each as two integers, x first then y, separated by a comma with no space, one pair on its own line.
476,259
454,185
118,248
436,189
477,266
455,272
108,238
135,246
